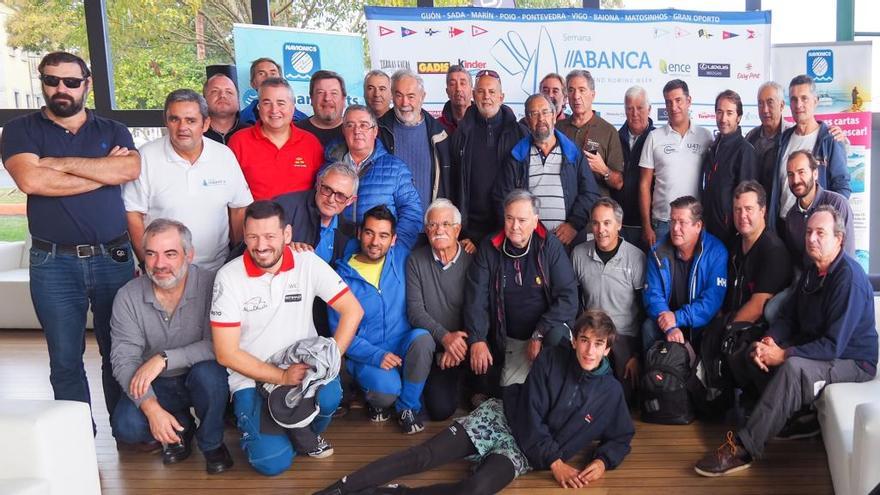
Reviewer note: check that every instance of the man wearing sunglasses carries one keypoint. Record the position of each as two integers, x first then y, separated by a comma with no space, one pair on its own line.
71,163
826,334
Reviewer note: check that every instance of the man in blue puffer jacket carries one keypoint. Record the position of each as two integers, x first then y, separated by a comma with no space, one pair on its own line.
686,278
388,358
383,178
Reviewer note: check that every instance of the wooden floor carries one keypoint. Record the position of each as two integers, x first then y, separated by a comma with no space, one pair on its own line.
661,460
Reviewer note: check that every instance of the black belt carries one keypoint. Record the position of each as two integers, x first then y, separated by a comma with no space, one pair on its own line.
80,250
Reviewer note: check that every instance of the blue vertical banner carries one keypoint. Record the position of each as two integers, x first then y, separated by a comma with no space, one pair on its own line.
300,53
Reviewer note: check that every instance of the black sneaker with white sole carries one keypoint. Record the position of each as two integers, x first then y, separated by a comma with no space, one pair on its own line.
409,423
322,450
379,414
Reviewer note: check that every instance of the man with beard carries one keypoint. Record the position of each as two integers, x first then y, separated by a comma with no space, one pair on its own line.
71,163
553,85
460,91
730,161
377,91
162,353
411,134
389,359
222,97
803,181
551,167
261,69
263,304
327,91
190,179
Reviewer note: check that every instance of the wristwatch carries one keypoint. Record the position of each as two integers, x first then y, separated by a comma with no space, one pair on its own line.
607,175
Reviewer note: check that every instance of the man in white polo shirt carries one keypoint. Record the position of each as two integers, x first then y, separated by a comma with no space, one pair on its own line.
193,180
263,304
671,161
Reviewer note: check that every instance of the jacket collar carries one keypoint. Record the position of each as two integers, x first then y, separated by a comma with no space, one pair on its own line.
571,153
540,231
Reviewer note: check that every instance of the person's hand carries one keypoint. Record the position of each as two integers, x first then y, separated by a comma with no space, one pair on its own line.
163,425
597,164
649,236
565,233
593,471
675,336
533,349
757,355
481,358
294,374
772,355
666,320
390,360
455,344
301,247
468,246
118,151
145,375
631,371
447,361
565,475
837,133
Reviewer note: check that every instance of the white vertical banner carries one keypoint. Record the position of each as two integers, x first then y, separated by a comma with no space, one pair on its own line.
842,72
712,51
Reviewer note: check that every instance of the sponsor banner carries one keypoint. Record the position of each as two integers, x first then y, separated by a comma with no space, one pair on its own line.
842,72
301,53
711,51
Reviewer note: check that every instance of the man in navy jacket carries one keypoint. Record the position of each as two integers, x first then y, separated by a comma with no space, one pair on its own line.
826,334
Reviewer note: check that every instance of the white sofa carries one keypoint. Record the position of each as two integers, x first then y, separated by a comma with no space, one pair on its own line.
850,417
48,448
16,308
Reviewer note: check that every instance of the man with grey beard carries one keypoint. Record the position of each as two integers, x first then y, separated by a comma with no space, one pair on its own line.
163,356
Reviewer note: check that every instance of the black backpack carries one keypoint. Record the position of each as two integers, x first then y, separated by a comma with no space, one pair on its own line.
664,387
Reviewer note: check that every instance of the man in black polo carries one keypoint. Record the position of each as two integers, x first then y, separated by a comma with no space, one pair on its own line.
71,163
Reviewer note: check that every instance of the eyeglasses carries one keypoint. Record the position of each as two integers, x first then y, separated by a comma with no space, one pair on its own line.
436,225
361,126
54,81
543,113
328,192
488,72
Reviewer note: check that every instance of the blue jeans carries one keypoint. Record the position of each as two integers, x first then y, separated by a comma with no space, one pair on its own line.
63,287
273,454
204,387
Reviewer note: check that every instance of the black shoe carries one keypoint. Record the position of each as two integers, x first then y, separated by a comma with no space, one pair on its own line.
804,426
176,452
218,460
334,489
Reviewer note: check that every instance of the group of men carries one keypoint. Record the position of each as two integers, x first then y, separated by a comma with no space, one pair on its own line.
441,258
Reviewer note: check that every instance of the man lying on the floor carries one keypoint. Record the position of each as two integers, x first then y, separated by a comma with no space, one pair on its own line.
569,400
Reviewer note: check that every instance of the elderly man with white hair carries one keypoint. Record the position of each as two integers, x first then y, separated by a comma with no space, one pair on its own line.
435,278
632,136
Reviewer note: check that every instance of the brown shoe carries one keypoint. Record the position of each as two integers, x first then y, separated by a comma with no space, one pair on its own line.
727,459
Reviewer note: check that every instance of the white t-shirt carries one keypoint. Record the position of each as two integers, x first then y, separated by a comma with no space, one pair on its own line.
196,194
274,311
806,142
677,162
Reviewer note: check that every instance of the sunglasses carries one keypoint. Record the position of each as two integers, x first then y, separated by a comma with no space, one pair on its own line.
54,81
488,72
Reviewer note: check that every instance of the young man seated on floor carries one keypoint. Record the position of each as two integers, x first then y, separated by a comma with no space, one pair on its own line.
532,428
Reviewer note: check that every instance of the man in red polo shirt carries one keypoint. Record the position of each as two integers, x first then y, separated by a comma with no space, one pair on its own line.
275,156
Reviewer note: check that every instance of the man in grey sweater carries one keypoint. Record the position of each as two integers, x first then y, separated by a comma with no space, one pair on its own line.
435,279
162,354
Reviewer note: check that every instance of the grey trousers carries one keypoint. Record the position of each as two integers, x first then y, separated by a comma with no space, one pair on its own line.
795,384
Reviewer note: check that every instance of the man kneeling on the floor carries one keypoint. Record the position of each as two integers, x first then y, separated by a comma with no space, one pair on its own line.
569,400
825,335
262,305
374,266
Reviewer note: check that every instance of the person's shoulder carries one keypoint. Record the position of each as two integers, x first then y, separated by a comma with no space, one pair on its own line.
132,291
25,121
583,250
231,271
155,148
305,136
835,199
604,125
632,251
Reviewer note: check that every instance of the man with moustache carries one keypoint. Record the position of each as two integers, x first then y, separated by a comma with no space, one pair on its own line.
633,134
262,304
222,97
261,69
553,85
377,91
460,91
592,134
327,91
71,164
480,148
435,280
190,179
163,356
803,181
277,157
671,162
411,134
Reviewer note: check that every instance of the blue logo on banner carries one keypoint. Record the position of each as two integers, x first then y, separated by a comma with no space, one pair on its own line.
301,60
820,65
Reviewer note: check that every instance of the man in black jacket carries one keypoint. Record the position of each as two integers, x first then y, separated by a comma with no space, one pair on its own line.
632,138
730,160
479,148
570,400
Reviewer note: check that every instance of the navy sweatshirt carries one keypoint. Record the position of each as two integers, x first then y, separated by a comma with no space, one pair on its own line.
561,410
830,317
